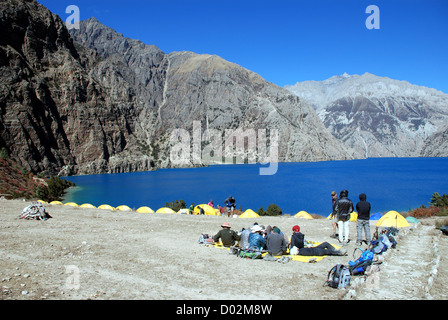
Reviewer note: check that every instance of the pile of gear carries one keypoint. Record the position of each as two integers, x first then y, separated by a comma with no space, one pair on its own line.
251,253
35,211
247,253
340,275
206,239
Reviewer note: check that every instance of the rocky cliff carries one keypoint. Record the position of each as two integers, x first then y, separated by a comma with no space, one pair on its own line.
106,103
54,114
378,116
187,88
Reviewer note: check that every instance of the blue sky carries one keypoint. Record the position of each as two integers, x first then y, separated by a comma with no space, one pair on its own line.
286,41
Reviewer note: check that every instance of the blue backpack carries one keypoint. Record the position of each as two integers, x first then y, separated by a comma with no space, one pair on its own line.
360,266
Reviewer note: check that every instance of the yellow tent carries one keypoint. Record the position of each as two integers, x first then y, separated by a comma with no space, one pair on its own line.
56,202
145,210
353,216
87,205
303,214
42,201
165,210
71,204
208,210
123,208
393,219
106,207
249,213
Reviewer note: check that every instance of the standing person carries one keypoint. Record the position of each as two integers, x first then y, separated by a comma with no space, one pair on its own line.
334,199
211,203
344,207
228,237
363,222
230,203
191,209
221,210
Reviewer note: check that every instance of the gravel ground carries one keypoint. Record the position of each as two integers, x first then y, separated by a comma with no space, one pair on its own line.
93,254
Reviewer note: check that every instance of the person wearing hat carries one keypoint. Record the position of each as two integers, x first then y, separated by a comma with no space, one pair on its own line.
334,199
228,237
276,243
256,239
297,238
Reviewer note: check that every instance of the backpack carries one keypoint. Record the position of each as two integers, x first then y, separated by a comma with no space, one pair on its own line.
250,254
360,266
385,242
444,230
338,277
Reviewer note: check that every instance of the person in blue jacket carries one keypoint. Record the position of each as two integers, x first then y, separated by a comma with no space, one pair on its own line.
230,203
256,239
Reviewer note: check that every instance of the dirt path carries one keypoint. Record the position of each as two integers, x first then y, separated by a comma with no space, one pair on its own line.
405,272
439,289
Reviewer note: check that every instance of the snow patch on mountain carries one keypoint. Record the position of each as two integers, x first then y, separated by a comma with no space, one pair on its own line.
376,115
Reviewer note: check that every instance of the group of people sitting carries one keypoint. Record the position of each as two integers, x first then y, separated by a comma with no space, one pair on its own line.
273,240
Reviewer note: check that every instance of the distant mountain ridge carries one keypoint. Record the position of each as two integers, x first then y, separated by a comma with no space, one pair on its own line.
378,116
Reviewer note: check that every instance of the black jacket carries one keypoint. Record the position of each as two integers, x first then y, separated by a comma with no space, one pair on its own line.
333,204
297,240
344,207
363,207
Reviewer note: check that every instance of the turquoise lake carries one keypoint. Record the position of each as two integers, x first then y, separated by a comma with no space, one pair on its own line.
390,184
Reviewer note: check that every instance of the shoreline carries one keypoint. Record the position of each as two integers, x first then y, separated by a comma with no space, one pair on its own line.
258,164
319,179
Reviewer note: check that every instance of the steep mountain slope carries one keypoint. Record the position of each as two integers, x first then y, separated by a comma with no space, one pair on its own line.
208,90
375,115
436,145
106,103
54,115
